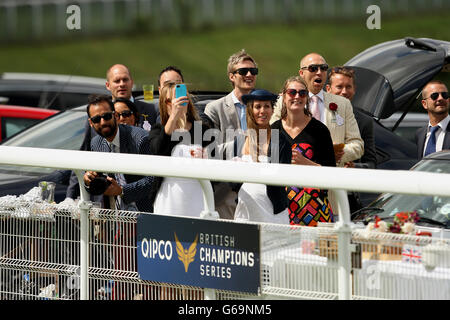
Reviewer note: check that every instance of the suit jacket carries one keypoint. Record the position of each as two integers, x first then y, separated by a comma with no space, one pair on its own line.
421,135
133,140
223,116
365,124
147,112
347,133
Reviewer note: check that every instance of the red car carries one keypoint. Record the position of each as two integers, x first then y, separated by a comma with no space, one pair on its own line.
14,118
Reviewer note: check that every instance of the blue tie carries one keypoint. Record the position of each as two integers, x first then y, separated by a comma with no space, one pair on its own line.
243,117
431,145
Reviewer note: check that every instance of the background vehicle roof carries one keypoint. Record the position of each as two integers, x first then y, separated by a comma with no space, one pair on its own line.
390,75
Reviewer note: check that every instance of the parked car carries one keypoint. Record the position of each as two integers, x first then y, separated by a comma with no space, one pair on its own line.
408,126
14,119
389,78
434,211
48,90
66,130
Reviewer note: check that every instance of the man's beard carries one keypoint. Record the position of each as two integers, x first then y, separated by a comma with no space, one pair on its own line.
105,133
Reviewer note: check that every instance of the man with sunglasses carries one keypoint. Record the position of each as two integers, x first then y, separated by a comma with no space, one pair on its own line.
120,83
436,135
130,191
229,113
334,111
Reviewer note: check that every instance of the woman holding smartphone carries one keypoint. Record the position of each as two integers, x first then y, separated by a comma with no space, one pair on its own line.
174,137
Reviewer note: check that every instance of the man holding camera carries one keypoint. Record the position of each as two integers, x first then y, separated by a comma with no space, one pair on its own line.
125,192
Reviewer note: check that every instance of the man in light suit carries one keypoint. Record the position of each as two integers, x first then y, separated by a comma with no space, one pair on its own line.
341,122
229,114
436,135
131,191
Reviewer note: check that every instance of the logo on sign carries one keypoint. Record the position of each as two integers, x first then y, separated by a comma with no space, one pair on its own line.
186,255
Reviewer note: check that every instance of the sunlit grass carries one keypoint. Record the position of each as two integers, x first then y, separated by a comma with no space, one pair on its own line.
202,55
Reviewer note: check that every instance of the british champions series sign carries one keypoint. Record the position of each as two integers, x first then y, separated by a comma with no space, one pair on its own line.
201,253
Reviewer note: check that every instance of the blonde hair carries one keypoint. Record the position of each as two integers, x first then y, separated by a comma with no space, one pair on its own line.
238,57
285,86
165,97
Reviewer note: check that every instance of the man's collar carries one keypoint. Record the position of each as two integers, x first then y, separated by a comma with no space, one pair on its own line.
131,99
235,99
443,123
320,94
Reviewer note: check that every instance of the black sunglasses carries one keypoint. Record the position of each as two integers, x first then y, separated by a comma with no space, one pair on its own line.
315,67
125,114
292,93
107,116
244,71
435,95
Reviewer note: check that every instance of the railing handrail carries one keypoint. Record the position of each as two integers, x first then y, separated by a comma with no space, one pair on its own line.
365,180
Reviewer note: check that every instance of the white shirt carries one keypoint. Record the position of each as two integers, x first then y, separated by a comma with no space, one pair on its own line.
116,142
440,134
240,109
321,105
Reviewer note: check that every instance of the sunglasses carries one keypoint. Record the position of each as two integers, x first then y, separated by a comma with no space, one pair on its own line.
107,116
293,93
435,95
315,67
125,114
244,71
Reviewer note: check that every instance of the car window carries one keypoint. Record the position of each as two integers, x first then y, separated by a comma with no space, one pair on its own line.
433,207
65,131
14,98
10,126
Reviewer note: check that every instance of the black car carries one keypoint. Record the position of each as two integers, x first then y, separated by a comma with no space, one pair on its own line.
381,91
389,78
434,211
51,91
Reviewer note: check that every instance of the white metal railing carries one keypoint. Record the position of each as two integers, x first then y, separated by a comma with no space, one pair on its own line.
336,180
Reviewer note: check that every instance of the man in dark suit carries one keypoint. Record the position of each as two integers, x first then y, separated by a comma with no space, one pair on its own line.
131,190
120,83
342,82
436,135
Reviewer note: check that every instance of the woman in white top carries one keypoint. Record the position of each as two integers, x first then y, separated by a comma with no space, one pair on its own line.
258,202
176,196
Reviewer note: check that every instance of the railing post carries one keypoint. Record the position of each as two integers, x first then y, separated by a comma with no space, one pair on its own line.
344,245
84,206
208,213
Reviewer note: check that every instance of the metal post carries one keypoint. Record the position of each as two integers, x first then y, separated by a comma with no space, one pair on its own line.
344,247
208,213
84,206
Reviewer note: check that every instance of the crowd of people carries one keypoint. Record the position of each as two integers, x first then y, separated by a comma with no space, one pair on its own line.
310,122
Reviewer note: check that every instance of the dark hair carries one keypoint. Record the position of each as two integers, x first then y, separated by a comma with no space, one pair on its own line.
130,104
96,99
170,68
